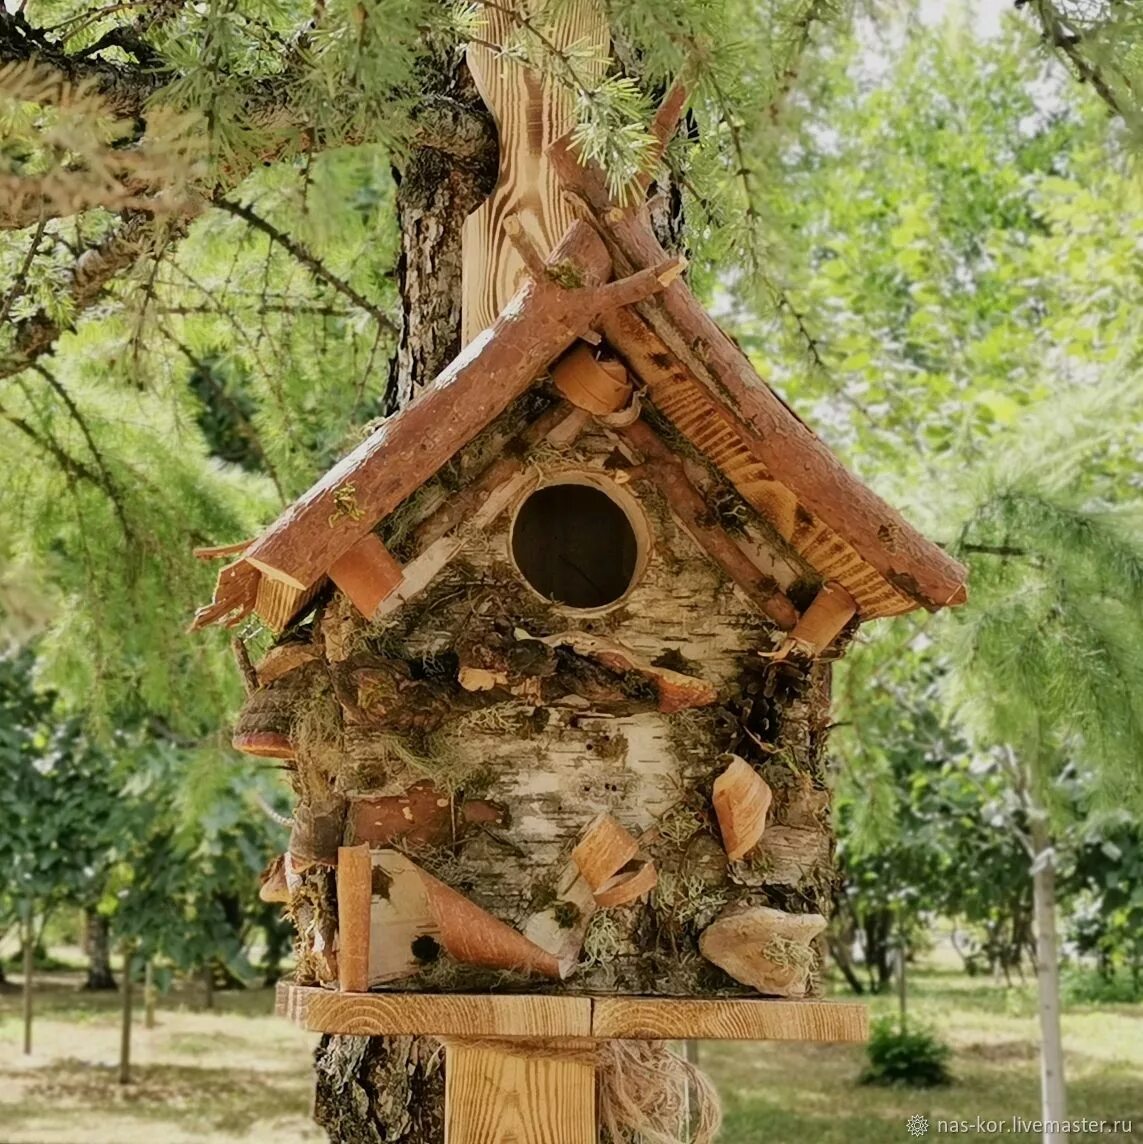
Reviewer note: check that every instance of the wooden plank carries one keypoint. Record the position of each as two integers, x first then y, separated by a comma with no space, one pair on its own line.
781,441
494,1096
531,110
732,1019
434,1014
278,604
541,321
545,1015
821,623
367,574
354,909
600,386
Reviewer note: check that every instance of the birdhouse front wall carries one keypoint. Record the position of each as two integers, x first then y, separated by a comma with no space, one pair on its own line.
478,730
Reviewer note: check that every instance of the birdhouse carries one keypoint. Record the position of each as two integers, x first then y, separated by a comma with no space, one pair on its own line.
553,647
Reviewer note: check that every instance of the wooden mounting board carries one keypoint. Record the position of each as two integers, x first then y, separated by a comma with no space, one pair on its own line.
541,1015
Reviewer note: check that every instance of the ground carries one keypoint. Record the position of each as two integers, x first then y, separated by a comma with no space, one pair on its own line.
238,1074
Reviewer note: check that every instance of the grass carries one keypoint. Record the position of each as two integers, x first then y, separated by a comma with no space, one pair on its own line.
807,1093
234,1073
239,1074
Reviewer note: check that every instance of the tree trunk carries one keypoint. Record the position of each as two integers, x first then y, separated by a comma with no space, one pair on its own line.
902,981
207,977
98,941
149,994
125,1022
1053,1092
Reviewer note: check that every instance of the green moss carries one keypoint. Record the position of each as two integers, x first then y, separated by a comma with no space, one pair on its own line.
680,823
685,900
566,274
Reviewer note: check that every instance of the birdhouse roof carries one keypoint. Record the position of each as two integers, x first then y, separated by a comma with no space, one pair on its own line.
612,279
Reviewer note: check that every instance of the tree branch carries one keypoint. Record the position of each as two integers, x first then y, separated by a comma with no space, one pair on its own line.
1068,41
310,261
91,275
125,88
66,462
17,287
107,482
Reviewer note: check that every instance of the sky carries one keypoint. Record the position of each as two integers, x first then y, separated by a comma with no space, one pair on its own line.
987,14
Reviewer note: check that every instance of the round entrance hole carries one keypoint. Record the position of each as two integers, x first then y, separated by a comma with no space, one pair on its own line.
575,545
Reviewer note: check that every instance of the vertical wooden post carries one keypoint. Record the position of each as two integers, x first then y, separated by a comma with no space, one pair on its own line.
493,1096
532,110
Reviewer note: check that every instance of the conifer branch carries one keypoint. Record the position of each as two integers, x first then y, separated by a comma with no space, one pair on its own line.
91,275
310,261
1068,40
245,425
67,463
17,287
124,88
106,482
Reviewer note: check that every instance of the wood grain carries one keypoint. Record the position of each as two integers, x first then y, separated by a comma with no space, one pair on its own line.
496,1097
434,1014
354,905
543,1015
653,1018
531,111
278,604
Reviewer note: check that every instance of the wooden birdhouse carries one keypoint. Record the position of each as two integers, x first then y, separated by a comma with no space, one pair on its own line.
554,650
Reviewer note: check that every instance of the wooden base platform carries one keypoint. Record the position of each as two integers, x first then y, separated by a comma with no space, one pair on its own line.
538,1015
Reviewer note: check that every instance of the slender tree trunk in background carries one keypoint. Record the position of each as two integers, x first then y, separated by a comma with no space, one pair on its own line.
902,984
29,972
208,986
98,943
125,1027
1053,1092
149,994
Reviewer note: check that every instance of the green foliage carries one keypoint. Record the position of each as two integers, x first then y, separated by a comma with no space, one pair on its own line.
1049,660
158,838
57,799
1104,881
1089,987
907,1055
